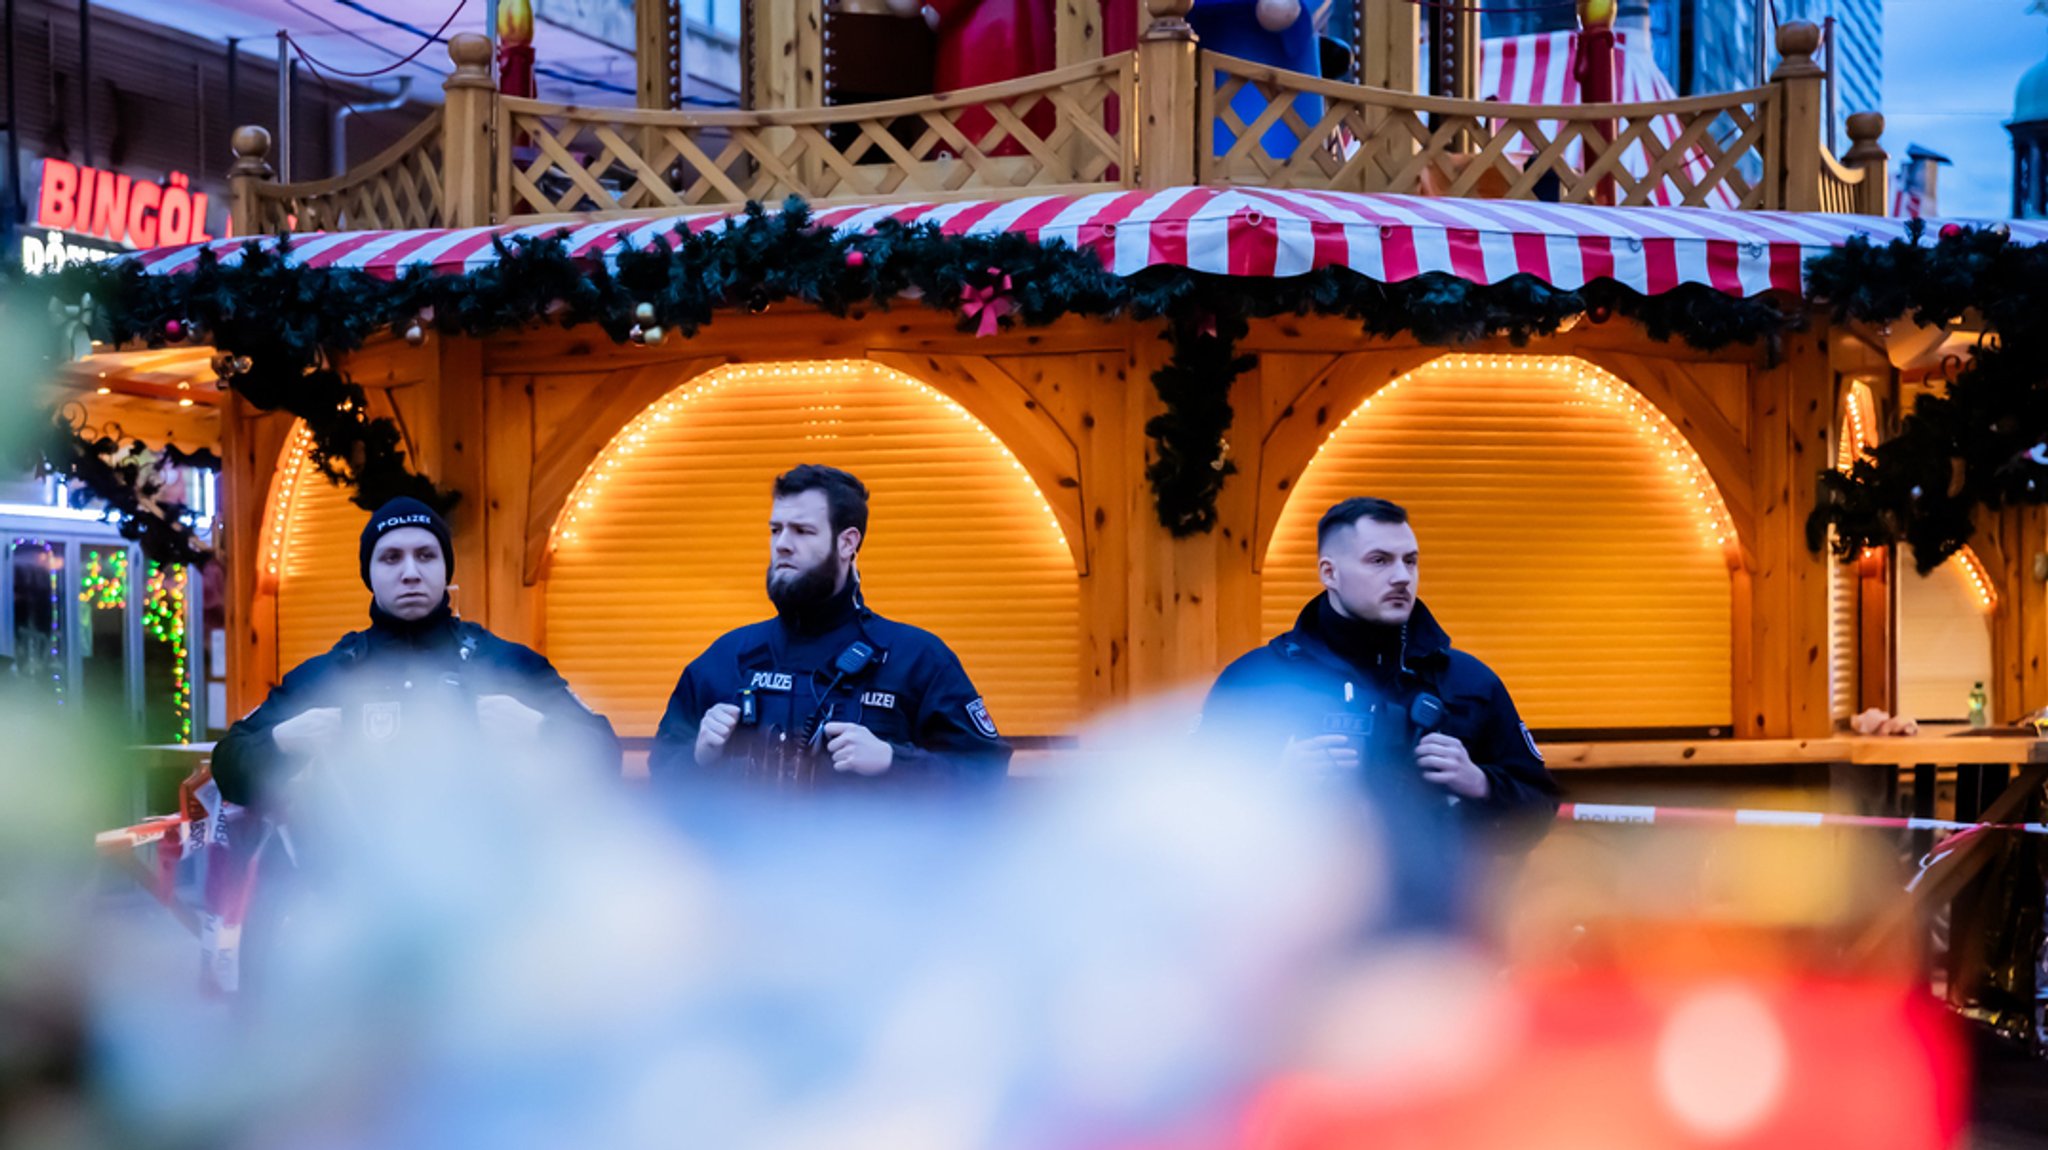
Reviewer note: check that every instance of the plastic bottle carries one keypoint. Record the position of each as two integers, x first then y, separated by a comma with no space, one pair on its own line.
1978,703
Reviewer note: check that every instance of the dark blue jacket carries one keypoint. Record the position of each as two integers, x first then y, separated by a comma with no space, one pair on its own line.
393,669
1300,685
915,696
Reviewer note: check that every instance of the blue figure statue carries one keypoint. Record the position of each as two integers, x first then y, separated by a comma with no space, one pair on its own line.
1277,33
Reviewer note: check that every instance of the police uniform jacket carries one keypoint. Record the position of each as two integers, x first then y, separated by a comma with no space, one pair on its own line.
1330,674
913,694
387,678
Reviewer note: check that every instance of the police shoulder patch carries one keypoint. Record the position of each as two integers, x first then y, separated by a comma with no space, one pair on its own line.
978,711
1531,740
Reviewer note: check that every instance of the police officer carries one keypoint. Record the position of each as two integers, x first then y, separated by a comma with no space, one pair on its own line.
827,692
1367,687
417,671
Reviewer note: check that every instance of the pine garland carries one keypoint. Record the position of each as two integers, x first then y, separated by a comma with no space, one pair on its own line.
1981,443
281,329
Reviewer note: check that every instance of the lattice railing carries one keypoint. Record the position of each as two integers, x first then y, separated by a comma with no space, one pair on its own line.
1060,131
400,188
1260,125
1849,190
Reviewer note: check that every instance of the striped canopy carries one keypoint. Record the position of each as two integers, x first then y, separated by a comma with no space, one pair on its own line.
1231,231
1541,69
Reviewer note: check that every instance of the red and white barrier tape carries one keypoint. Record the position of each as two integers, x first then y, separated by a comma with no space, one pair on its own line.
1617,813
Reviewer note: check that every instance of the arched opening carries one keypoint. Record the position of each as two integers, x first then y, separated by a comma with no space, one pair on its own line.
1944,637
1852,583
663,544
310,571
1571,536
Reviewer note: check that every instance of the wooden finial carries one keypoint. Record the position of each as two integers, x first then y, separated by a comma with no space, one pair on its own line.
1797,42
1169,20
1865,130
471,54
252,151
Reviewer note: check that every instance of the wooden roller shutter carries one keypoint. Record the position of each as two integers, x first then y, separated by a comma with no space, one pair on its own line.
665,543
320,592
1569,536
1944,638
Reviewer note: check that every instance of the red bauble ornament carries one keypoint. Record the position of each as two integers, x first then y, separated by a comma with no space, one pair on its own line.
1951,231
856,259
174,330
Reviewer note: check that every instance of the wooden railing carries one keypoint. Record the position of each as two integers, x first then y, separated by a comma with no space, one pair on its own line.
400,188
1059,131
1163,115
1705,151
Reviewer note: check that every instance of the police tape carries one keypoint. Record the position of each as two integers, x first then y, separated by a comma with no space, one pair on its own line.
1619,814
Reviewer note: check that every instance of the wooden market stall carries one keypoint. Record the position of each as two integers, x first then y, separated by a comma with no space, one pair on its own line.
1616,522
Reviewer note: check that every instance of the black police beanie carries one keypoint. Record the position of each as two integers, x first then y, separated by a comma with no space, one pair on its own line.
405,511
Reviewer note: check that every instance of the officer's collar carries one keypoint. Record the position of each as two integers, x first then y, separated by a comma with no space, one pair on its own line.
826,614
385,626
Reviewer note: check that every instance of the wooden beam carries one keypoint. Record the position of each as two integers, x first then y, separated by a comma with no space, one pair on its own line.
1017,417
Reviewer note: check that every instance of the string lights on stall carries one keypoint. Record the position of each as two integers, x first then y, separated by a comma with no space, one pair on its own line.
1687,472
163,620
103,585
1974,573
288,478
820,378
51,565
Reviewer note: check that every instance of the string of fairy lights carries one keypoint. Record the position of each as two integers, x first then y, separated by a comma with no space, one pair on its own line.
822,376
103,585
1667,444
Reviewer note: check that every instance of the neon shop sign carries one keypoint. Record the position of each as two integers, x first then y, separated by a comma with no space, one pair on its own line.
120,209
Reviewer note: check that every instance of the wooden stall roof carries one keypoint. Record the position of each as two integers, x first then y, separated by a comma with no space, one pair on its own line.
1234,231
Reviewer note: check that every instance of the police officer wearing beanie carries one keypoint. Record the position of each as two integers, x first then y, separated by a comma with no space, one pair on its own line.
827,693
415,661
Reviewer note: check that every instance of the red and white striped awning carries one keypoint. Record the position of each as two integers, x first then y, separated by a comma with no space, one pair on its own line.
1541,69
1232,231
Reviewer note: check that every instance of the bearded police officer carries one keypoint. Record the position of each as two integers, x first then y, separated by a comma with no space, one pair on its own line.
416,675
1367,689
827,693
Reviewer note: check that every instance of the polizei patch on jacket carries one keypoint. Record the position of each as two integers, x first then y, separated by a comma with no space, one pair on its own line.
1531,740
380,721
978,711
881,699
772,681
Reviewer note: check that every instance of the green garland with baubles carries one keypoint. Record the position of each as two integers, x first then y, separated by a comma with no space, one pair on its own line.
281,329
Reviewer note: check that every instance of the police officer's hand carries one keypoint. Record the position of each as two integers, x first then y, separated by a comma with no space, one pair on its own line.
855,748
1321,754
1445,762
712,733
308,731
506,716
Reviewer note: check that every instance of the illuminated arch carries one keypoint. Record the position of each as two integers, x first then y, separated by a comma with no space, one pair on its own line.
1859,426
661,545
308,553
1572,537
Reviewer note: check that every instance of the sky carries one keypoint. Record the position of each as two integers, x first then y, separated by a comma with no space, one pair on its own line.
1950,67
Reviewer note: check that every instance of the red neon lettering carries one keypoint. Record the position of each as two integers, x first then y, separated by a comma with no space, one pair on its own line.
142,215
110,207
57,204
198,233
174,220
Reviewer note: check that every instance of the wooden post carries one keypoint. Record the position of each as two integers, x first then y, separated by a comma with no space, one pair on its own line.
1168,73
467,110
786,68
1077,31
251,167
1389,32
660,33
1865,130
1799,82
